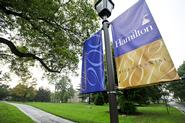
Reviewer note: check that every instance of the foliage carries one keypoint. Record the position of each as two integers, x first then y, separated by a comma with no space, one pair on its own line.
137,95
143,95
99,100
10,114
128,99
49,31
23,92
42,95
64,90
127,108
178,88
104,94
105,97
181,69
155,93
4,92
99,114
125,104
148,94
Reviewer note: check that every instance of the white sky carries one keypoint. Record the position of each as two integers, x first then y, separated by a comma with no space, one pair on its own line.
170,18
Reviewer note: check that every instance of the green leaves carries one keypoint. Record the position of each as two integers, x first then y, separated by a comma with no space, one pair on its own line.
181,69
64,90
178,88
22,92
3,91
51,29
23,49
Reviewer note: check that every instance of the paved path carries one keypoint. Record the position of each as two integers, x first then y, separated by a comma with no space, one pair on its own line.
38,115
180,107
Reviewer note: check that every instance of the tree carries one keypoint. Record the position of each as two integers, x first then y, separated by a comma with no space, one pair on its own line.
178,88
146,95
181,69
71,91
23,92
4,92
42,95
50,32
155,93
64,90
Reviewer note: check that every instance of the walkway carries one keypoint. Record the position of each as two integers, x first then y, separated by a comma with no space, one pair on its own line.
180,107
38,115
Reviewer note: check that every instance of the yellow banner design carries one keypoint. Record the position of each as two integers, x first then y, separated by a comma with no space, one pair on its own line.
146,65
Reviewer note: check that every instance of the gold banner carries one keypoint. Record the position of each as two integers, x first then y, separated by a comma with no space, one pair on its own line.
146,65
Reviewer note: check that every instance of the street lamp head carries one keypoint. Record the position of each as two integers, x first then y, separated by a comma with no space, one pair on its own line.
104,7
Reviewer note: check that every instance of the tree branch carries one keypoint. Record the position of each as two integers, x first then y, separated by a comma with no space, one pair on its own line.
15,51
10,12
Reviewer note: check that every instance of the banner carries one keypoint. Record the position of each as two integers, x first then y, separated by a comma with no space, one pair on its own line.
140,53
92,65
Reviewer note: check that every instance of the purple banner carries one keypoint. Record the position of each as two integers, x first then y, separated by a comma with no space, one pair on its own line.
133,29
92,65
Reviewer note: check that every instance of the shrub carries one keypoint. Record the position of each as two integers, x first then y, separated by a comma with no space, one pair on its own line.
126,107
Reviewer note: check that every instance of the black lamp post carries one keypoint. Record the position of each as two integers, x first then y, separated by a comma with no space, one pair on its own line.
104,8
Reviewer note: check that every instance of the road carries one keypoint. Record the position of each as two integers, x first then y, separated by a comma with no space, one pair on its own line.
180,107
38,115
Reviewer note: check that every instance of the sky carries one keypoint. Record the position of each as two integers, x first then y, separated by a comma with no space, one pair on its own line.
170,18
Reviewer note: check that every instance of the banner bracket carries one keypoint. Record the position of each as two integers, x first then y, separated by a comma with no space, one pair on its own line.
111,92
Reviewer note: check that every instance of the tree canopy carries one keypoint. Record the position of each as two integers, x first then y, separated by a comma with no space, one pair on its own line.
42,95
178,88
3,91
23,92
48,31
64,90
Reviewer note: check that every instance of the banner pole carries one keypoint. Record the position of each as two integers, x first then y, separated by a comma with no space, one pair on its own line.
110,74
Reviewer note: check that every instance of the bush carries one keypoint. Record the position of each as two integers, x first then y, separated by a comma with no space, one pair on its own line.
99,99
126,107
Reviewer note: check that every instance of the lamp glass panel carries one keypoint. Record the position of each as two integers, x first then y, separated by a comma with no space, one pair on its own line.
99,6
109,6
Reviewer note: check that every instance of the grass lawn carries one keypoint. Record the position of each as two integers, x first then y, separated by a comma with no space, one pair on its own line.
10,114
84,113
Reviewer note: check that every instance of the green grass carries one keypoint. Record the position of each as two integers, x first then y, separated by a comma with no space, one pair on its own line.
10,114
84,113
158,114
